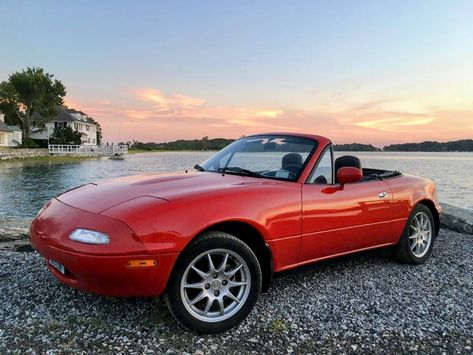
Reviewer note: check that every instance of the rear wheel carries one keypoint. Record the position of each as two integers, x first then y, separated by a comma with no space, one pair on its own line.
417,240
215,283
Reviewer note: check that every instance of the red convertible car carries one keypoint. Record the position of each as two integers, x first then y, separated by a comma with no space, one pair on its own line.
211,239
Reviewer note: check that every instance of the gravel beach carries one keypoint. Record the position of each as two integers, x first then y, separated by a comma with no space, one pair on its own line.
363,303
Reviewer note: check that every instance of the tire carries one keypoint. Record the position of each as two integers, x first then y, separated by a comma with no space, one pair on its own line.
230,283
414,247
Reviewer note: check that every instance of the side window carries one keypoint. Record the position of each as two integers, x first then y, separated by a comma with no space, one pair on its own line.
322,174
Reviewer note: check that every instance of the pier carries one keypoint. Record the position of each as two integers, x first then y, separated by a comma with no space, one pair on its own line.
100,150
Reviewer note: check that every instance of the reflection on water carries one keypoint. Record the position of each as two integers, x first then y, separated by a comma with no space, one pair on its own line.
25,186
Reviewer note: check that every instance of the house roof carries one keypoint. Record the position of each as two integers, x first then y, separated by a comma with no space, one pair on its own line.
64,115
4,127
80,118
72,110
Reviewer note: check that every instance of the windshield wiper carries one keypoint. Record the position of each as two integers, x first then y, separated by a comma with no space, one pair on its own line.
198,167
239,171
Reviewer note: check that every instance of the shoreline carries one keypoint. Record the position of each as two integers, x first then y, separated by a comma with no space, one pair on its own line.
52,158
140,151
14,232
41,156
20,154
135,151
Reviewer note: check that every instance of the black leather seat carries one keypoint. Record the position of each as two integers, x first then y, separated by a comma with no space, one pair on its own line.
347,160
292,162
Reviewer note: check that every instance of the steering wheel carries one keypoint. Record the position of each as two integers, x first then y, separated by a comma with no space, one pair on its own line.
296,166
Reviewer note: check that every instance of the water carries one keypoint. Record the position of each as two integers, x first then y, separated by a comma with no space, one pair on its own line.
25,186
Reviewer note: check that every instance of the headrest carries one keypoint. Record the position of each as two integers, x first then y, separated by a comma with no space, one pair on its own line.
292,159
347,160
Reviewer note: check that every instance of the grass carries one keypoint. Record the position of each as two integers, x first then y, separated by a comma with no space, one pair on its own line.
278,325
96,323
135,151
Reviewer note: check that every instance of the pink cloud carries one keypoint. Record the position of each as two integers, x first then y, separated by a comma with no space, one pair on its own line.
151,115
165,102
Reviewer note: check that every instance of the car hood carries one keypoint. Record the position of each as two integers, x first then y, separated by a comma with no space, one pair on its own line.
103,195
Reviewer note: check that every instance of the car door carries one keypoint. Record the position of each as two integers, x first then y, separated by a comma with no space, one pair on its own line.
339,219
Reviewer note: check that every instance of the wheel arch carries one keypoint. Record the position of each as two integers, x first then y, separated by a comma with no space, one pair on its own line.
431,206
252,237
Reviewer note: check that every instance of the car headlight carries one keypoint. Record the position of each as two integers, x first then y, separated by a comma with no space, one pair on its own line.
89,236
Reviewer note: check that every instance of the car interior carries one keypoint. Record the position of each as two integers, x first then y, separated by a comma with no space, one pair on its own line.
292,162
369,174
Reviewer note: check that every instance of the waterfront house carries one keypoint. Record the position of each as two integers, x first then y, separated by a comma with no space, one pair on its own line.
10,136
67,117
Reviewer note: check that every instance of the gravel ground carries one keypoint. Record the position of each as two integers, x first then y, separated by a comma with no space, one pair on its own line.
364,303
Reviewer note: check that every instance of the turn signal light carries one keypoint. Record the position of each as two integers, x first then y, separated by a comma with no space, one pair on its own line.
141,263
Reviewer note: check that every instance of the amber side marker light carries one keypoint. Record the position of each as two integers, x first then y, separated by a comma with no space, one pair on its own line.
134,264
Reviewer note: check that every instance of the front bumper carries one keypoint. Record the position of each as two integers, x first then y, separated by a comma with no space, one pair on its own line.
99,269
109,275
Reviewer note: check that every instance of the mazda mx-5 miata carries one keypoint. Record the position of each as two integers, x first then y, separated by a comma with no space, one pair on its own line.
210,239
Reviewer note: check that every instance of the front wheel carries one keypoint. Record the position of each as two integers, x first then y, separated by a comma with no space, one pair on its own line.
417,240
215,283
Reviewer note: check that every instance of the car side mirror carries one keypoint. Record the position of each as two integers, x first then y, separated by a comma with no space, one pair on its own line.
349,174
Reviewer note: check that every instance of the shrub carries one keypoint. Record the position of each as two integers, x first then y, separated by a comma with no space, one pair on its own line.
29,143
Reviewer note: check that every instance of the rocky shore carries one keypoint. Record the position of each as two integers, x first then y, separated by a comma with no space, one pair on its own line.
14,233
457,219
366,303
18,153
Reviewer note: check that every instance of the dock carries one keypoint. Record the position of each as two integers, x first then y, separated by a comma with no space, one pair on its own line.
79,150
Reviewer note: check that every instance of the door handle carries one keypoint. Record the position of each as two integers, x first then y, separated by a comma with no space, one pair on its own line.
382,194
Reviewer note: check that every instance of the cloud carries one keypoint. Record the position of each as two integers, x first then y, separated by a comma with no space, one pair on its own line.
152,115
393,123
166,102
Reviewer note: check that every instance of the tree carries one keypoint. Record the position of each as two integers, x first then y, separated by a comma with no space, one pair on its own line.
65,135
464,145
182,144
354,147
28,92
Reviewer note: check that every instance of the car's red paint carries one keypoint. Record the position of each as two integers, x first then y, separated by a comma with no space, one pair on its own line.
345,218
156,216
349,174
101,269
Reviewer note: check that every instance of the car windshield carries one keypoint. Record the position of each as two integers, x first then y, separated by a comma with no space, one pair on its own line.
267,156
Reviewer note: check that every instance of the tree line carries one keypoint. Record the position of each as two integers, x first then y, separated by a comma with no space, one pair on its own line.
205,143
182,144
355,147
464,145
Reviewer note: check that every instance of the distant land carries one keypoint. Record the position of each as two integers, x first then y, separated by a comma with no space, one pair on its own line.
182,144
464,145
355,147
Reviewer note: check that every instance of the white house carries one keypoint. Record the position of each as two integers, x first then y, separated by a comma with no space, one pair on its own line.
10,136
66,117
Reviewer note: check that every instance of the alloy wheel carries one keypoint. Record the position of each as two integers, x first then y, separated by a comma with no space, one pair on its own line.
215,285
420,234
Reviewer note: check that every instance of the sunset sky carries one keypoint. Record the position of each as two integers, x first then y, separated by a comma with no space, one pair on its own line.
375,72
